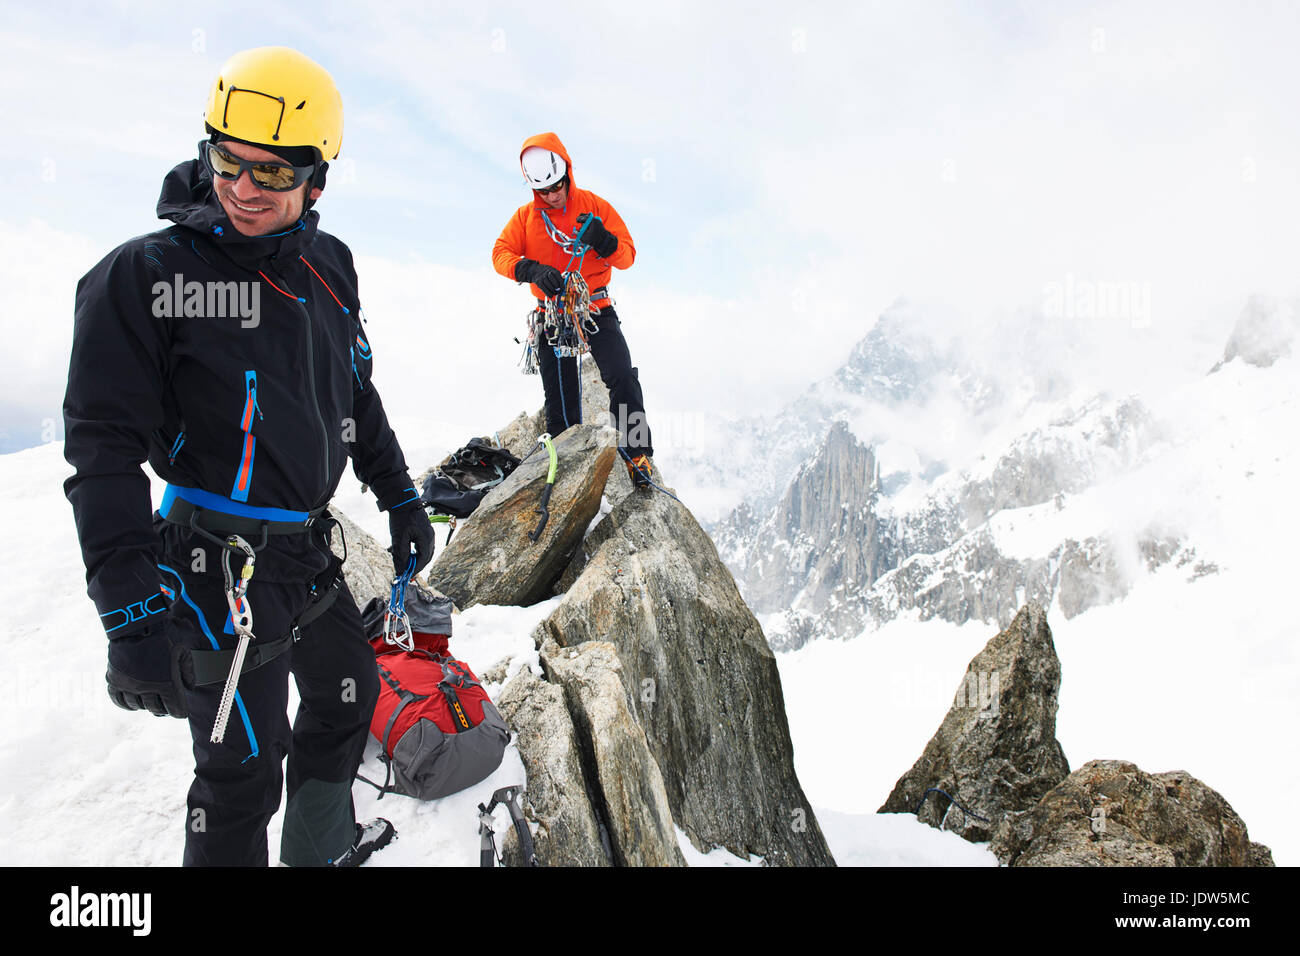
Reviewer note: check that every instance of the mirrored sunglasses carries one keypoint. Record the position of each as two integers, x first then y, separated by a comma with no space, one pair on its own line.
277,177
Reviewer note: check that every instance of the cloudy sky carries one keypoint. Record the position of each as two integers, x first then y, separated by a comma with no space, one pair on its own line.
787,171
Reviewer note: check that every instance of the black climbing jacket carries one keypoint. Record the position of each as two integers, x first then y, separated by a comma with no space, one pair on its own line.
259,407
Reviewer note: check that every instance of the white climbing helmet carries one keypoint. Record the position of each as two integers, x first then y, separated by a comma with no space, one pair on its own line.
541,167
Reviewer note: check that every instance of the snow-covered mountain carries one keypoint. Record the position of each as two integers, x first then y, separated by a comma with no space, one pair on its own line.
1152,521
916,480
831,572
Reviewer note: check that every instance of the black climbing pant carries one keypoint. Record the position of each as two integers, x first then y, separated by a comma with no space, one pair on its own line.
237,783
563,391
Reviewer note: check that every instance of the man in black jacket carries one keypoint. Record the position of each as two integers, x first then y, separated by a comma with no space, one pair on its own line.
228,351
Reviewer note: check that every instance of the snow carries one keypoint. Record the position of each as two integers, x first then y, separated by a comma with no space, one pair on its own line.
107,787
718,856
1177,676
1199,675
862,710
896,839
604,509
1194,673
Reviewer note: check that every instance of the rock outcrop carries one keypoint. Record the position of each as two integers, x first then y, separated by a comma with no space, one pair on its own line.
520,436
660,707
492,559
628,787
995,772
824,534
368,568
996,751
1265,332
1111,813
557,798
701,679
595,409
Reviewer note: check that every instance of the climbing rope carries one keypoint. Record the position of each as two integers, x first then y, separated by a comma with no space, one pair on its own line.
628,458
950,806
564,321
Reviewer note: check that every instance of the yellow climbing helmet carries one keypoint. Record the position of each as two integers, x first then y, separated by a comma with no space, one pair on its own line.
278,97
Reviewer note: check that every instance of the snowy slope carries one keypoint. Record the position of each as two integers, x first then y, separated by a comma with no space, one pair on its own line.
1193,670
1200,676
107,787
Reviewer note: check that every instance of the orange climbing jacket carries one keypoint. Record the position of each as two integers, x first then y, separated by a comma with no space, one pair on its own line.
527,237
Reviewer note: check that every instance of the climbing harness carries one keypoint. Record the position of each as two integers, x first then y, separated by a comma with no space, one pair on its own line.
204,514
487,855
544,440
214,666
241,619
397,626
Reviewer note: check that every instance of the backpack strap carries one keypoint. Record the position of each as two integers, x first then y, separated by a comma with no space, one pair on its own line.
491,482
454,671
453,676
404,697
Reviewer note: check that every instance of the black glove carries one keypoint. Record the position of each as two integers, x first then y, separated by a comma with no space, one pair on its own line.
150,670
547,278
409,525
602,241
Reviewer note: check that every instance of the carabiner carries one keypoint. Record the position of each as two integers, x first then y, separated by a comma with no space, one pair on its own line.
396,611
398,634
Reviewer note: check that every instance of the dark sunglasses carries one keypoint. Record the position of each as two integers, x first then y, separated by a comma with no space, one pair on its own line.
564,180
277,177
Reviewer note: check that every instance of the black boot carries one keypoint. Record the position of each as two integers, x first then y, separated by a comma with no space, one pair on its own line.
371,836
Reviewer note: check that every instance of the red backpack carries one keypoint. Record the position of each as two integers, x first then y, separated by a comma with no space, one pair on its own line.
438,730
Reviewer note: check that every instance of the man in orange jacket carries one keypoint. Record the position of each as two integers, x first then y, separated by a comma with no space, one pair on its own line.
537,246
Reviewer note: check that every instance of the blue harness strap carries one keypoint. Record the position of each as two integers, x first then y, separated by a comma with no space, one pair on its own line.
204,509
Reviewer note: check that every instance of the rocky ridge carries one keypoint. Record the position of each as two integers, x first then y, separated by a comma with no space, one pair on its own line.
994,773
658,707
836,555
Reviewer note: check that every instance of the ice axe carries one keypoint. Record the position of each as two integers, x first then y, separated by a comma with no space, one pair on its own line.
541,509
487,855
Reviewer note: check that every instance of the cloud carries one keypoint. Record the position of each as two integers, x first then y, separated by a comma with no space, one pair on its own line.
787,173
41,266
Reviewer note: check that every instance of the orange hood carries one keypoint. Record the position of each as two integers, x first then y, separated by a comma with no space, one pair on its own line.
552,142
